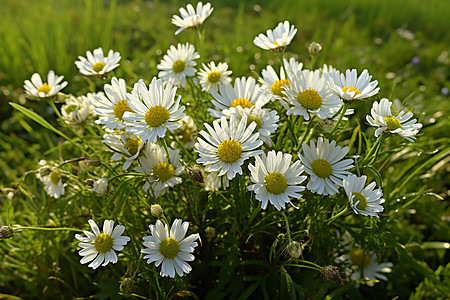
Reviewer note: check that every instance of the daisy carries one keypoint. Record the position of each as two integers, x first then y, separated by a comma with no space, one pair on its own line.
366,267
111,108
162,172
381,116
124,144
278,39
227,146
244,93
100,186
350,87
275,179
323,163
187,132
214,182
157,113
211,76
292,67
266,120
191,18
170,248
327,69
36,88
98,248
79,110
178,64
364,201
52,183
273,85
309,94
97,64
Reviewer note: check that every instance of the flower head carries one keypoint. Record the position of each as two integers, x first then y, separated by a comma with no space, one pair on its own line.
363,200
125,144
52,183
97,64
365,266
278,39
351,87
100,186
37,88
79,110
212,76
192,18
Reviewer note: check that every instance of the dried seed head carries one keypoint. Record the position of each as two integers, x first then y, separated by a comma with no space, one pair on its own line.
6,232
333,274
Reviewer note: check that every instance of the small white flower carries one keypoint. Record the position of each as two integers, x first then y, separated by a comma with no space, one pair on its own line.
325,166
364,201
187,132
278,39
170,248
275,179
79,110
37,88
191,18
125,144
214,182
351,87
97,64
273,85
178,64
157,113
292,67
211,77
52,183
100,186
244,93
98,248
368,266
381,116
227,146
162,172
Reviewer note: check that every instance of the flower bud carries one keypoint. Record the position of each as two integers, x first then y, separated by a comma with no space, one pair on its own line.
333,274
196,175
6,232
314,48
89,182
210,233
294,249
93,161
156,210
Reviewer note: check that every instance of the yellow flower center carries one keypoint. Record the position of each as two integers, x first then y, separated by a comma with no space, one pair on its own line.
132,145
55,176
157,116
229,151
163,171
45,88
98,66
103,243
322,168
71,108
278,87
242,102
310,99
213,77
275,183
362,205
257,120
351,89
359,258
178,66
120,108
392,123
169,248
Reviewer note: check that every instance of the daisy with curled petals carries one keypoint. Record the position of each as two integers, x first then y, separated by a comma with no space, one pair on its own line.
156,114
309,94
211,76
351,87
111,108
278,39
381,116
37,88
162,172
170,248
245,93
275,179
124,144
191,18
178,64
97,64
363,200
52,183
325,166
227,145
98,248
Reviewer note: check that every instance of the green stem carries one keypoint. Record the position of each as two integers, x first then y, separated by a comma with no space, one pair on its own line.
198,39
288,231
375,147
52,104
344,109
166,148
308,129
315,267
50,228
337,215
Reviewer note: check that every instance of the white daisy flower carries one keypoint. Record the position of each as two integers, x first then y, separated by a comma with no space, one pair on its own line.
170,248
37,88
275,179
98,248
52,183
364,201
292,67
187,133
97,64
309,94
191,18
266,120
227,146
327,69
156,114
381,116
124,144
112,108
368,266
278,39
211,76
214,182
351,87
162,172
245,93
100,186
178,64
273,85
325,166
79,110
